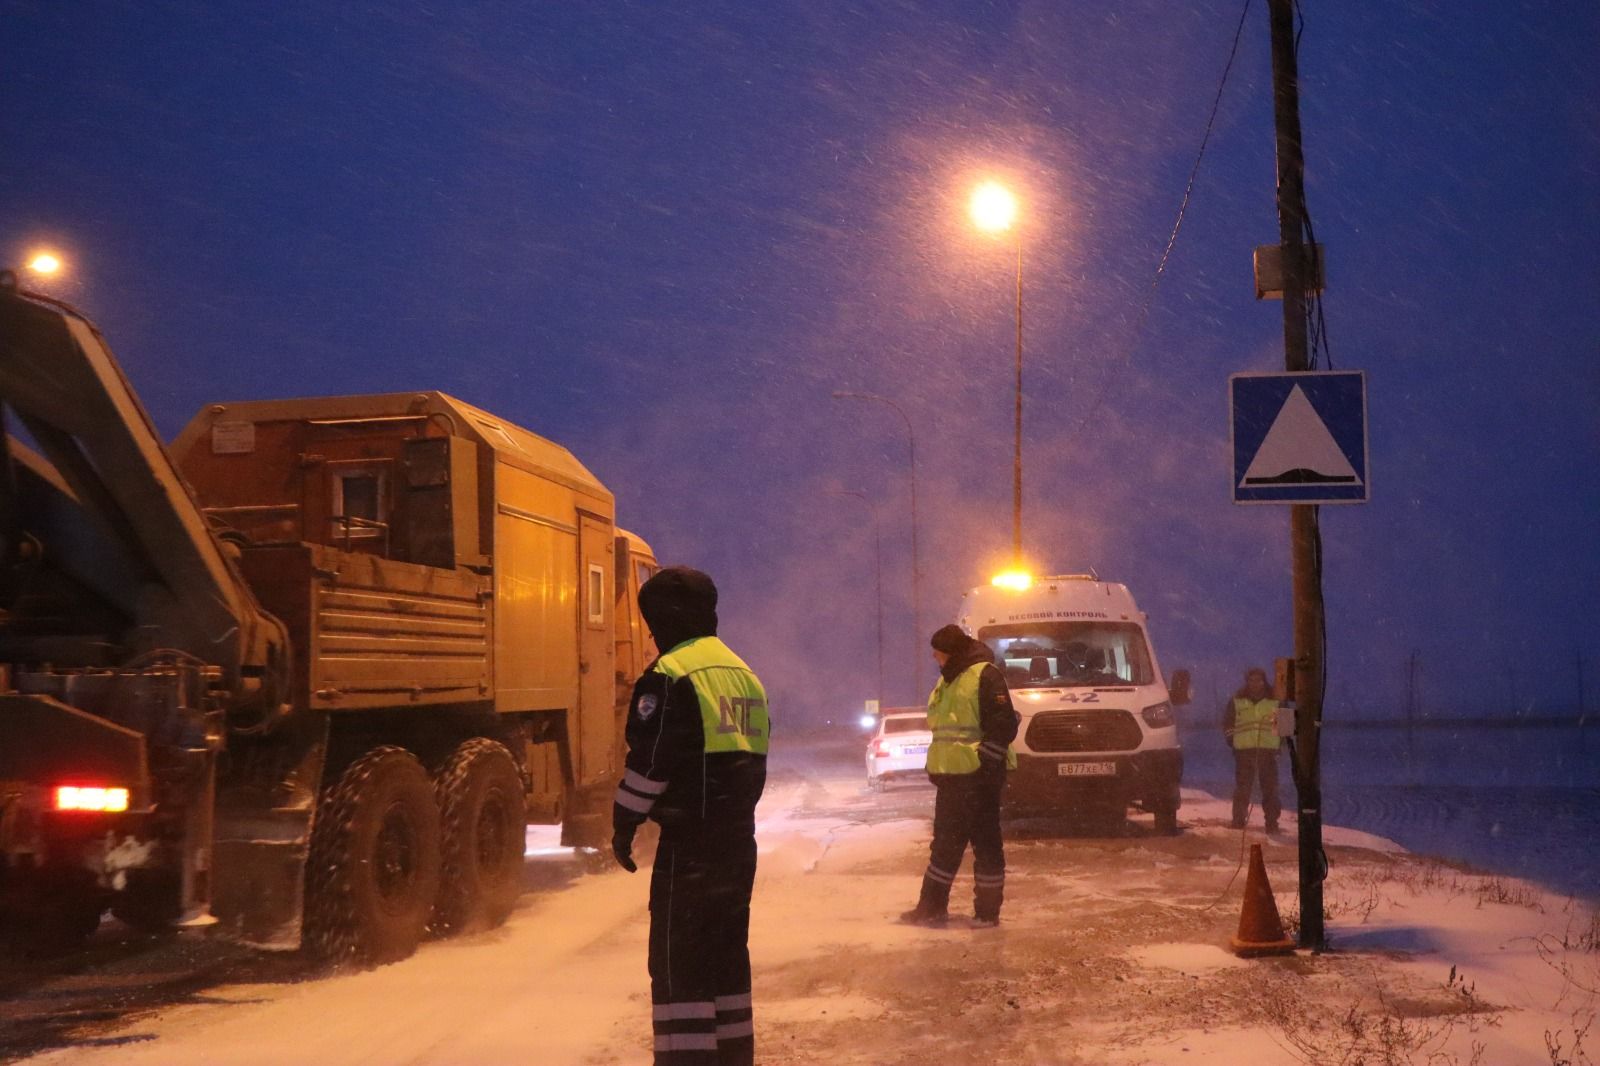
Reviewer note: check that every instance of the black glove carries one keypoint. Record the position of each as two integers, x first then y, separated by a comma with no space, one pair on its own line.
622,847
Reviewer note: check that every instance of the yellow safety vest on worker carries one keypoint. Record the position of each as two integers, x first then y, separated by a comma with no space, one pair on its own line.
1253,723
733,704
957,732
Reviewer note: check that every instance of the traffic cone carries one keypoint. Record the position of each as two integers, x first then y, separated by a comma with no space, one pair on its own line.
1260,928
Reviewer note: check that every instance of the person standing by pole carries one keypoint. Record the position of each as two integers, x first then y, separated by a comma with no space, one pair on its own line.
1250,722
697,733
973,725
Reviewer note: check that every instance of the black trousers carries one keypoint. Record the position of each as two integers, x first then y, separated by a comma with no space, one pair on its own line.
700,948
966,810
1252,765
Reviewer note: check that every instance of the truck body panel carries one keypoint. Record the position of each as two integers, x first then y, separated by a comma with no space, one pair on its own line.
295,592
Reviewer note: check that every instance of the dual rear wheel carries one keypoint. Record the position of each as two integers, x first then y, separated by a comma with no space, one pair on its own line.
395,852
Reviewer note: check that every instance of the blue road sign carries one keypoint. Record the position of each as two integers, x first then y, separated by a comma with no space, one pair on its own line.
1299,438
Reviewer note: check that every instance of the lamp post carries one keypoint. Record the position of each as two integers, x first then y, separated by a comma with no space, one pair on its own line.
877,557
994,210
916,559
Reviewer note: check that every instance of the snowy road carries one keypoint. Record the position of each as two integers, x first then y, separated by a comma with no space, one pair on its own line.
1110,953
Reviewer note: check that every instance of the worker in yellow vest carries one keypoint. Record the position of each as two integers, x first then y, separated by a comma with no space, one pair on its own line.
1249,721
697,736
973,725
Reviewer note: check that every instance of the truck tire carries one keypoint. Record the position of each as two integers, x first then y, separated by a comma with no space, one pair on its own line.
373,872
51,912
150,901
483,832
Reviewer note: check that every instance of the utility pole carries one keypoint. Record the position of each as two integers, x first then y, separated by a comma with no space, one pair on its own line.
1016,455
1583,711
877,563
1411,716
1304,538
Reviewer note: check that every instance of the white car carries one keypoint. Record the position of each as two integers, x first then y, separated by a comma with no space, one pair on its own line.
899,747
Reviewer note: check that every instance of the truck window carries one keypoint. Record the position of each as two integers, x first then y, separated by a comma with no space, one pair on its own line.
358,499
597,594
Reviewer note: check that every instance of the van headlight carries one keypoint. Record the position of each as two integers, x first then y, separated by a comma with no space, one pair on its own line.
1158,716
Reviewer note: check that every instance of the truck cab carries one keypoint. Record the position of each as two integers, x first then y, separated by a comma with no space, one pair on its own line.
1097,733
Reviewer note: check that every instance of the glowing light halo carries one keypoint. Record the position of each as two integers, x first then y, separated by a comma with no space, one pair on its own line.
993,207
1015,580
45,263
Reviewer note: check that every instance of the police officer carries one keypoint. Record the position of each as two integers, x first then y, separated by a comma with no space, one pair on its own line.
1249,723
973,725
697,762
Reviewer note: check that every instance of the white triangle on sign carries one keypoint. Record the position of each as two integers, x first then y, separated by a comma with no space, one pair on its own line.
1299,450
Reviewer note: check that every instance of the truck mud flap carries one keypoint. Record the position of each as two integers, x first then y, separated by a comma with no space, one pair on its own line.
46,742
587,820
265,812
259,880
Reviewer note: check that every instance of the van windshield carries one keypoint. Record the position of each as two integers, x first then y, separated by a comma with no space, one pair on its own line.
1068,654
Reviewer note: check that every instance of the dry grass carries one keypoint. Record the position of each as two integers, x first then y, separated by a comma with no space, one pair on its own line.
1377,1028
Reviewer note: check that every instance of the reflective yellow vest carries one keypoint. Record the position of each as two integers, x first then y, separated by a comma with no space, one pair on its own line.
953,718
1253,723
733,705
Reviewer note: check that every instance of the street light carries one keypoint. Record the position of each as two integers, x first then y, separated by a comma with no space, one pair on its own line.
916,559
994,210
877,556
45,264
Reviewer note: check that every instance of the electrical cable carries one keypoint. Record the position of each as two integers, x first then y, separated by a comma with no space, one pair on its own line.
1172,239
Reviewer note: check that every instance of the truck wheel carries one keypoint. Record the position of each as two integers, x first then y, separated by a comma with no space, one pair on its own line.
483,829
51,912
373,871
149,902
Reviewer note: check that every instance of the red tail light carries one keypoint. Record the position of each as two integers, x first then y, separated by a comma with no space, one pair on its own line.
879,748
91,798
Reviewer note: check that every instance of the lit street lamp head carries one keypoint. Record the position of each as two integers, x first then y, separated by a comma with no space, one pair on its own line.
45,264
993,207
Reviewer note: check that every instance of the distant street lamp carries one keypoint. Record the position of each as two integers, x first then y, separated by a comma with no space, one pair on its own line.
877,556
994,210
916,558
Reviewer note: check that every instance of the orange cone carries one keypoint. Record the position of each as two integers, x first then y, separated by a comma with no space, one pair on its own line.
1260,928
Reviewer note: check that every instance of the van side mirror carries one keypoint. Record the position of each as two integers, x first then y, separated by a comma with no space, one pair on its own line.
1178,691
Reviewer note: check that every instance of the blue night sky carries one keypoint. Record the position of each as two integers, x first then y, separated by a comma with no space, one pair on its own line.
664,234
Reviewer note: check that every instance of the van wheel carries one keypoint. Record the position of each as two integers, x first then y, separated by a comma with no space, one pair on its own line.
373,872
483,830
1166,812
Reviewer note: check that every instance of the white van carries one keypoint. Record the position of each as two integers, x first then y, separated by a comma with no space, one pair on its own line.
1097,733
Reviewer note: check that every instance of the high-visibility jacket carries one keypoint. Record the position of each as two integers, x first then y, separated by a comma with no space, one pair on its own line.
954,720
1253,723
733,703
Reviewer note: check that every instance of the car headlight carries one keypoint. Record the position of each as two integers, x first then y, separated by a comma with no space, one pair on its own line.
1158,716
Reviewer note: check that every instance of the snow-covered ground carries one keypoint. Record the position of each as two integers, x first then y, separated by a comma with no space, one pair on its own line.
1111,952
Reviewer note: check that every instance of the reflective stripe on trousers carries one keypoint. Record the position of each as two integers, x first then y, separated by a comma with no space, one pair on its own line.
699,950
